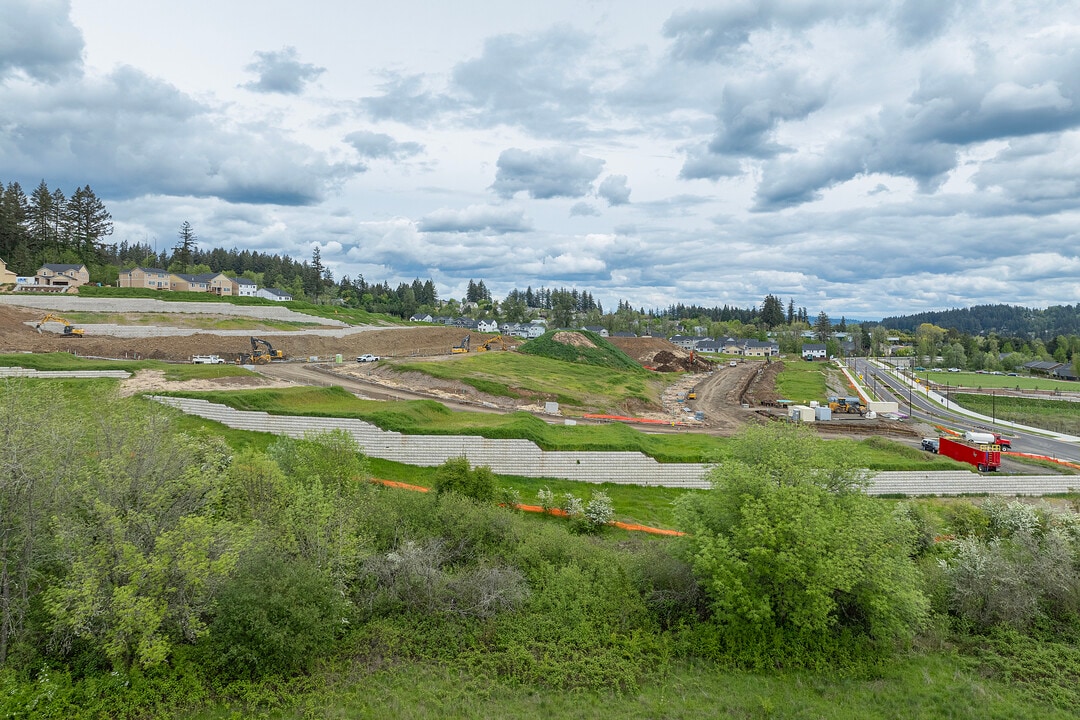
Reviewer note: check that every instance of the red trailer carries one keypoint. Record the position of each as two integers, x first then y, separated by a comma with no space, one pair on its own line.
981,456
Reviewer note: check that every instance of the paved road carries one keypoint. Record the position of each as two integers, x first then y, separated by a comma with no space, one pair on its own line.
893,388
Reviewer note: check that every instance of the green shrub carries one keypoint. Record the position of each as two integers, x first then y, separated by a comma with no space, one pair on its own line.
274,617
455,475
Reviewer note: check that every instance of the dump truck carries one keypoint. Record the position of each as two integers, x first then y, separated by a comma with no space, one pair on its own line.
984,457
980,437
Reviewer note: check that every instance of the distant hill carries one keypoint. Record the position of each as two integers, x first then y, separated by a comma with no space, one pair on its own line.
1005,320
581,347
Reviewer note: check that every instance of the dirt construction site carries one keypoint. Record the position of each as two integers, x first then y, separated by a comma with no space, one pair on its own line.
726,396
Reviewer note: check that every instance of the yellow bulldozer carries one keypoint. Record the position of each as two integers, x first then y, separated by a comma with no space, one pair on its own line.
69,329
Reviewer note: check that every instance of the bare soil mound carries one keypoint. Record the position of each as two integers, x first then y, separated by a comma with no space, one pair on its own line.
662,355
16,336
573,338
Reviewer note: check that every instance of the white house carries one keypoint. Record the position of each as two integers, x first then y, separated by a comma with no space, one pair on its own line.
273,294
242,287
487,326
813,351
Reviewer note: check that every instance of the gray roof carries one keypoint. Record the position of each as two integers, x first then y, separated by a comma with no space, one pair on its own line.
275,291
244,281
62,268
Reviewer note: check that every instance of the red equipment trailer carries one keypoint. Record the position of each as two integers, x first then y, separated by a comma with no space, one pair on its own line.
981,456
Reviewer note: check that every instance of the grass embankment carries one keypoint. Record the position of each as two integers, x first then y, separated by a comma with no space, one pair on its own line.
352,316
803,381
601,354
67,361
200,321
571,384
977,380
1057,415
427,417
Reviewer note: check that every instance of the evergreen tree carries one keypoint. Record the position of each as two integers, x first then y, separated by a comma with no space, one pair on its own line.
88,222
823,327
184,250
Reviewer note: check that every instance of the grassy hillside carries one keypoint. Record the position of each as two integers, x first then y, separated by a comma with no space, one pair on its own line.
67,361
604,354
353,316
584,385
427,417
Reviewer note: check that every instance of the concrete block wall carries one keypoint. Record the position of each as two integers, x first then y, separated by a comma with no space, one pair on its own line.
54,374
522,457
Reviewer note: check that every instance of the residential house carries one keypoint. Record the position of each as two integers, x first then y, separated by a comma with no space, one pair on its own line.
487,326
62,275
710,346
598,329
760,348
1064,372
182,282
151,278
217,283
1041,367
687,342
242,287
420,317
623,334
814,351
273,294
6,276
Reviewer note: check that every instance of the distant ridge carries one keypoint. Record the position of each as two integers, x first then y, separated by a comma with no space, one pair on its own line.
1004,320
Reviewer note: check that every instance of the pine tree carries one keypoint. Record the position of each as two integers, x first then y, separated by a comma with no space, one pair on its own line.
88,222
185,247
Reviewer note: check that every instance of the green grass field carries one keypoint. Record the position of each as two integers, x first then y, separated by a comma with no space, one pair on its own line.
67,361
802,381
572,385
1056,415
976,380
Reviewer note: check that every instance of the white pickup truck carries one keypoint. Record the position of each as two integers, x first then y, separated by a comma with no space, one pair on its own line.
207,360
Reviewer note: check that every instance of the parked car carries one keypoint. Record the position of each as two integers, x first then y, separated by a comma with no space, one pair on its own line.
368,358
930,444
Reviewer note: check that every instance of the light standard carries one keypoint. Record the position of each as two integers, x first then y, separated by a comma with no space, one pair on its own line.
993,408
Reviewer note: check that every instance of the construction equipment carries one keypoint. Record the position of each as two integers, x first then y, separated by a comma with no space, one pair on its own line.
692,395
463,347
69,330
846,405
261,353
490,344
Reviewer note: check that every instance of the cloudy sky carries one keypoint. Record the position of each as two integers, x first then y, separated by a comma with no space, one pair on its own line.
865,158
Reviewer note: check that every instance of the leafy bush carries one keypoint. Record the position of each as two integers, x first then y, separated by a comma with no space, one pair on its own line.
455,475
793,554
274,617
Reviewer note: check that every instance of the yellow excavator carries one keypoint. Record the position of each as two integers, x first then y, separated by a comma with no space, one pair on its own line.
69,329
262,352
463,347
498,340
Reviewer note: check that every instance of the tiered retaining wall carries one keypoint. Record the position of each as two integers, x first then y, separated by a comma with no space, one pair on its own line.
522,457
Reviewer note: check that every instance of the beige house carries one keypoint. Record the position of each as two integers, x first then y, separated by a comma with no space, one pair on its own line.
219,284
62,275
6,276
140,277
181,282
